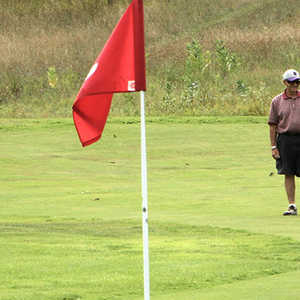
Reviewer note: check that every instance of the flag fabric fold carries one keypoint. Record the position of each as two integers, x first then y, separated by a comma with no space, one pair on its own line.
120,67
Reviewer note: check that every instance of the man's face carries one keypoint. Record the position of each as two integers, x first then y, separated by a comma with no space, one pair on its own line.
292,86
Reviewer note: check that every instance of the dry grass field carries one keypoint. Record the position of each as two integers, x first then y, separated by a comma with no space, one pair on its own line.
46,41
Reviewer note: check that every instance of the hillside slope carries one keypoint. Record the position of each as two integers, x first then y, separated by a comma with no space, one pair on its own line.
68,35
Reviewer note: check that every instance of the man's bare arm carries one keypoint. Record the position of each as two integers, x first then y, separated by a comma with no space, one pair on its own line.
273,135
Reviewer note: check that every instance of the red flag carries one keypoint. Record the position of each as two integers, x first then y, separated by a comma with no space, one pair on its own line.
120,67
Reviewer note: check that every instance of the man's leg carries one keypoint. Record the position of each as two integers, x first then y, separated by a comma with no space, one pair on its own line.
290,188
290,191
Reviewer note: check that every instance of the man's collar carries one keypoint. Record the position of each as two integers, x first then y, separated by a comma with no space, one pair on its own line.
285,96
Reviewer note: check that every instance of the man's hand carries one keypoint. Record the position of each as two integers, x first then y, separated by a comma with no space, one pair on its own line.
275,153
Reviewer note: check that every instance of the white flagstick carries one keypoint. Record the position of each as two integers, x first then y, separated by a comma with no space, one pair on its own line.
145,201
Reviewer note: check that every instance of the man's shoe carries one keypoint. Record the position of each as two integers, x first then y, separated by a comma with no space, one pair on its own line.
292,211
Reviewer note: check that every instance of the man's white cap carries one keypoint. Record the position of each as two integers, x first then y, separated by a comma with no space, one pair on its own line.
291,75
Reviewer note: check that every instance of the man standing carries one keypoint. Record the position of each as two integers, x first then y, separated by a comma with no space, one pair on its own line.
284,122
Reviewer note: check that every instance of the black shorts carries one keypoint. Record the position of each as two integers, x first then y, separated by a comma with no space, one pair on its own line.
289,149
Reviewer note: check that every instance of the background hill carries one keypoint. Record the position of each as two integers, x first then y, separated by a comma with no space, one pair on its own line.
203,57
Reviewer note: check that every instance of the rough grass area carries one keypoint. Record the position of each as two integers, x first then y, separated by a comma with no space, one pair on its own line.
233,68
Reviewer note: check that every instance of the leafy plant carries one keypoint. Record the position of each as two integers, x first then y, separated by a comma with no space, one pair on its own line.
196,75
168,103
52,77
226,59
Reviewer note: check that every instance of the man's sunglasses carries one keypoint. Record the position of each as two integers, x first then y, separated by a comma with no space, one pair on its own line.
294,82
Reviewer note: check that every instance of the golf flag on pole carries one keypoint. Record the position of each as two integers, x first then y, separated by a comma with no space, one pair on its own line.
120,67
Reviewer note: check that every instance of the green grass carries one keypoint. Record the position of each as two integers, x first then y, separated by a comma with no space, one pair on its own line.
70,217
102,260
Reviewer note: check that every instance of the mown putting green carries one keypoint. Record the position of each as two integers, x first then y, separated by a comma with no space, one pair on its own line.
102,260
70,217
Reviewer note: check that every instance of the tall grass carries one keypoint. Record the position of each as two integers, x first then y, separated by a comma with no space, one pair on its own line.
47,48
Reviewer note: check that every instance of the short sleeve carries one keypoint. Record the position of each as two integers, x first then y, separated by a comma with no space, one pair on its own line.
273,116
